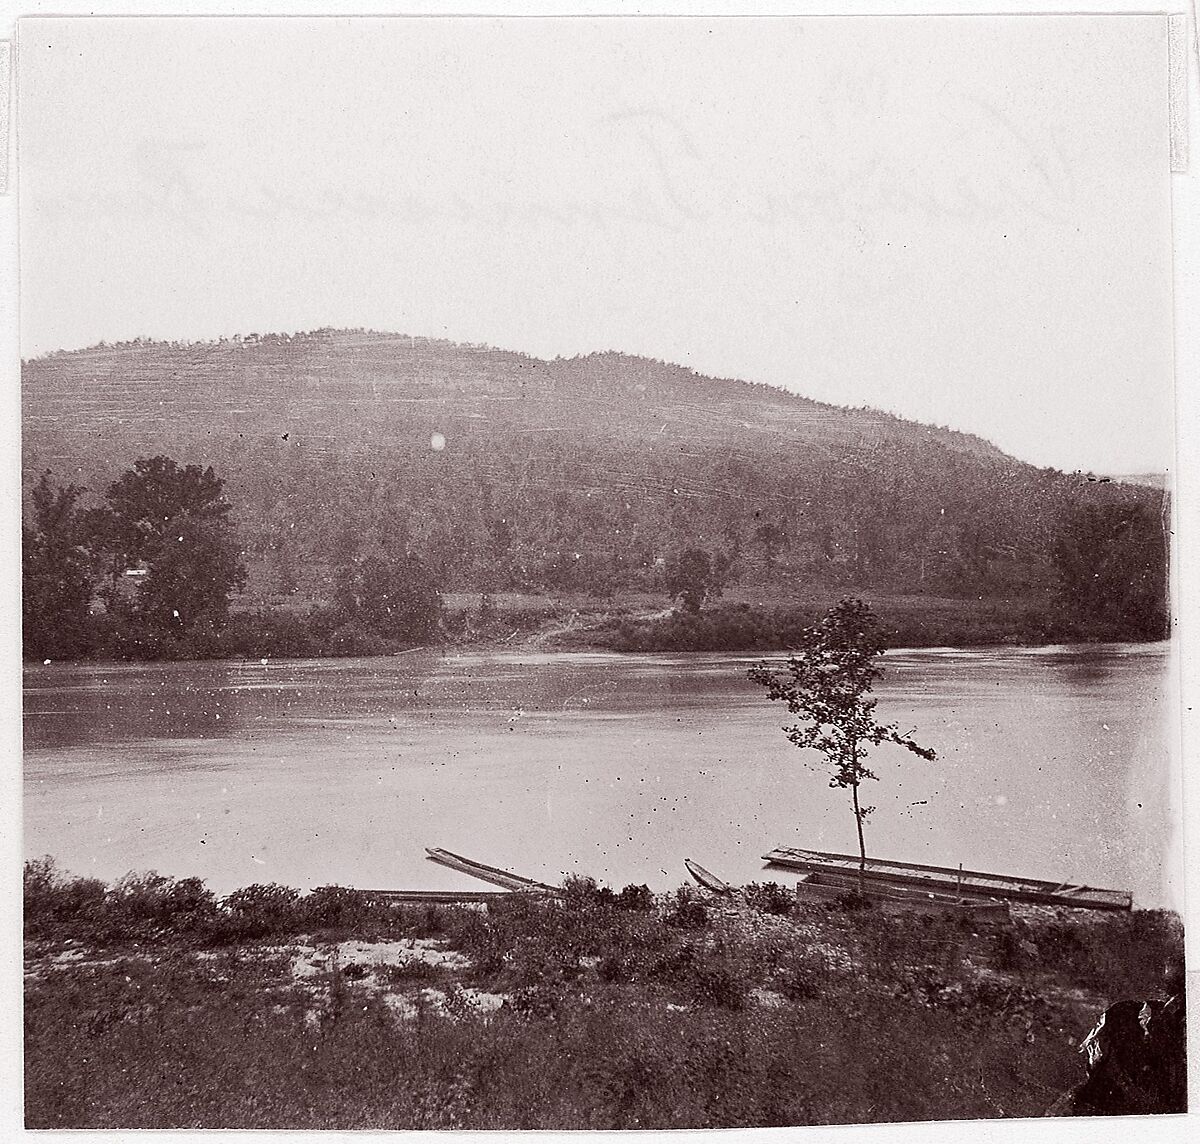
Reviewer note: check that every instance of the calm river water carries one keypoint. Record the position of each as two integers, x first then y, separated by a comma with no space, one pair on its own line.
1052,762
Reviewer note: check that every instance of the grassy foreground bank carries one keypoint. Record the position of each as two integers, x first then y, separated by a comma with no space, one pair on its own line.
153,1004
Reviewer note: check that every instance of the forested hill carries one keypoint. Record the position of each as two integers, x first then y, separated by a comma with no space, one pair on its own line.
574,473
391,390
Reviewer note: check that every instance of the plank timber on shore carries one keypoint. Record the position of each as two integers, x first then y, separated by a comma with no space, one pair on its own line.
435,897
493,874
961,882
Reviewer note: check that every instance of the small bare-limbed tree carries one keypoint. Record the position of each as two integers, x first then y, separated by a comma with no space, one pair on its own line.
827,684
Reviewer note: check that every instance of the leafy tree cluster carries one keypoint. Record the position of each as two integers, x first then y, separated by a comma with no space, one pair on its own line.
605,517
172,524
396,599
56,572
693,576
157,559
149,572
1111,558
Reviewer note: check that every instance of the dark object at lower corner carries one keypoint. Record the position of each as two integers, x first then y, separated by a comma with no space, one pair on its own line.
1137,1062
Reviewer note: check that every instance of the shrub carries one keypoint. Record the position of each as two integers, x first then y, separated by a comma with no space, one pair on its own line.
734,628
263,899
150,904
770,898
39,887
687,912
636,898
50,901
138,905
259,910
352,640
801,979
190,902
701,977
539,1000
80,900
430,921
852,902
141,898
583,892
117,637
1121,954
480,938
1011,950
618,968
336,907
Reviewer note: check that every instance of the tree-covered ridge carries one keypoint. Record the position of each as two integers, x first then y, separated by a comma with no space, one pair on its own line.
393,384
590,474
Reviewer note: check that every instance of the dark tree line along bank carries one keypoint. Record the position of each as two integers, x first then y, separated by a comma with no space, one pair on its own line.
149,572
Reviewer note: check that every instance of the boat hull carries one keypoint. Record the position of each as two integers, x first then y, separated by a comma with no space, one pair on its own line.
493,874
959,883
706,878
898,899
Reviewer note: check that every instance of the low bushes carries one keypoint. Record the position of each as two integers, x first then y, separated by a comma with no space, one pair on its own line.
769,898
149,906
904,623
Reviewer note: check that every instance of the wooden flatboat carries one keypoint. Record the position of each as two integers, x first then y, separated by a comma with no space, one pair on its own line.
973,884
892,898
496,876
706,878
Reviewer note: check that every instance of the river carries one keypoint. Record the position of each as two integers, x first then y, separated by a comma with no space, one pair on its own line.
1052,762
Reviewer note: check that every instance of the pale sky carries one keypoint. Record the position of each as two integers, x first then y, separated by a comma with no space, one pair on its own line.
962,221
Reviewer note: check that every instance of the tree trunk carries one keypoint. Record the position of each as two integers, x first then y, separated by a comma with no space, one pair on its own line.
862,846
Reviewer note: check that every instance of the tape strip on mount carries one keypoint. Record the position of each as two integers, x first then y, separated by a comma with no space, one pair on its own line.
5,109
1177,88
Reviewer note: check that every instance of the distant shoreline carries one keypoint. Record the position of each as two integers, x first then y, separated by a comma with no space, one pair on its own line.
632,625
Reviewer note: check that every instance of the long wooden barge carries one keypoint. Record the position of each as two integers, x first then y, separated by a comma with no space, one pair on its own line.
960,883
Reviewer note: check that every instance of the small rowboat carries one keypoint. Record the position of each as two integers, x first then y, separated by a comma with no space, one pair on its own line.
707,879
496,876
966,884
